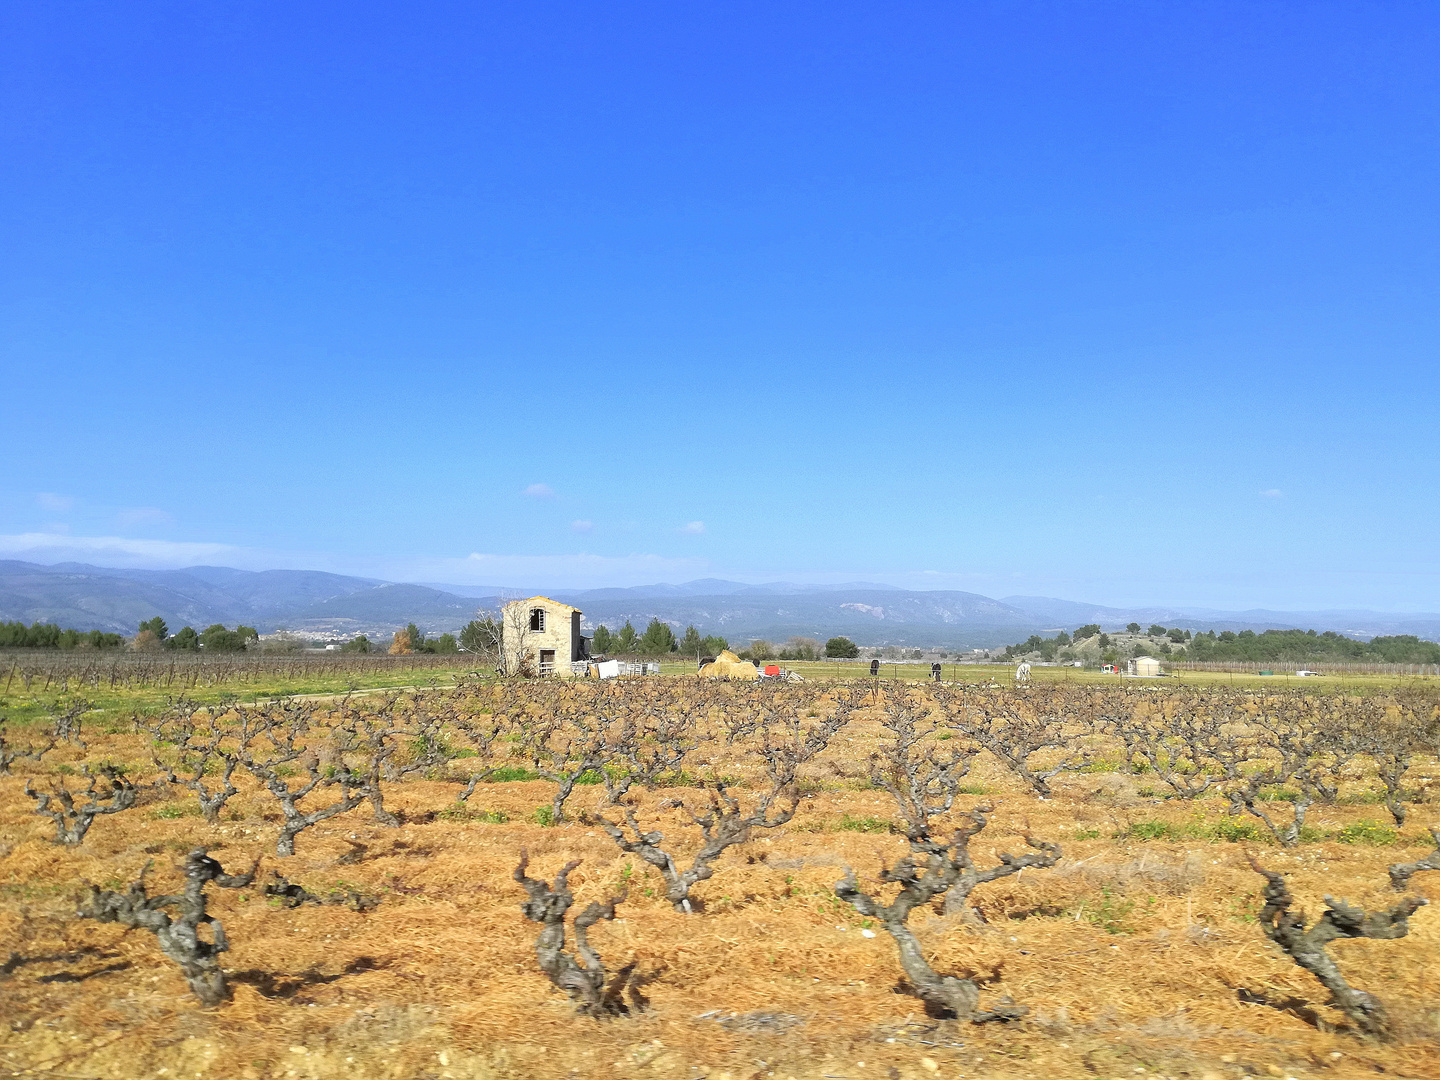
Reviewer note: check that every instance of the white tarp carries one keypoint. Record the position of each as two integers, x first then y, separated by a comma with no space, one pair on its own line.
608,669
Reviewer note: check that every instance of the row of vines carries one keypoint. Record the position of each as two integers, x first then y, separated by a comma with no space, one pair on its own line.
737,759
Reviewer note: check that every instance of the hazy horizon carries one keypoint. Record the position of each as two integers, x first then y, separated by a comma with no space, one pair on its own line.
857,582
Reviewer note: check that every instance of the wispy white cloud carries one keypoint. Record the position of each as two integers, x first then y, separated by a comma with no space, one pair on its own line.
478,568
143,515
113,550
579,571
694,528
582,526
1272,493
56,504
539,491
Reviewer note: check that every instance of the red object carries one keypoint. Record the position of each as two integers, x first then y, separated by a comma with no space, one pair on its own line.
772,669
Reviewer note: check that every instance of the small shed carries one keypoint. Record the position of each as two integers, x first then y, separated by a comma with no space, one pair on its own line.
1143,666
543,636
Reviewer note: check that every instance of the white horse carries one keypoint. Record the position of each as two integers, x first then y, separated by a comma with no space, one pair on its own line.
1022,672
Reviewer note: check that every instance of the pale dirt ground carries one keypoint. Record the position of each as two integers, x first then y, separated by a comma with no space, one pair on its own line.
775,979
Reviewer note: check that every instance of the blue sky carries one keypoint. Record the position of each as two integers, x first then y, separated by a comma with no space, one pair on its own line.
1131,303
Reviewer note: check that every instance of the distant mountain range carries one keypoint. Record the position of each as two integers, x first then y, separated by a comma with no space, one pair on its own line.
98,598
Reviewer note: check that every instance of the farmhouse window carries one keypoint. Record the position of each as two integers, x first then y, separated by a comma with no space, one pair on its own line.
537,619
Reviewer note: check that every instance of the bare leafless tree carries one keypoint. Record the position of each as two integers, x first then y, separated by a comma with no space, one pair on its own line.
1016,726
575,735
1339,920
924,780
946,865
480,735
179,935
512,657
66,720
1294,743
11,752
1182,740
108,792
1391,741
484,638
274,753
199,746
365,742
649,752
1401,873
582,976
790,737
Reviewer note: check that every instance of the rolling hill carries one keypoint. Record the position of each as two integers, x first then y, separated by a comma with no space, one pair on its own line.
98,598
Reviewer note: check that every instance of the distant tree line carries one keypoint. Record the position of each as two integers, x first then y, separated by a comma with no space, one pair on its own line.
657,640
412,640
1297,646
797,648
154,634
1063,646
1305,645
16,635
1049,648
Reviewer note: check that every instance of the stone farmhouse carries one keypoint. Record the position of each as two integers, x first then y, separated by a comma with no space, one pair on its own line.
543,635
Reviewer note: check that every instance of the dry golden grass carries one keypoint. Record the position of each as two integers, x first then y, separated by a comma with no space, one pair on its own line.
1136,957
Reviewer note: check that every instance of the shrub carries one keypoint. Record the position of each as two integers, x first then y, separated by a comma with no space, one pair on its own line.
461,812
509,773
1111,913
1235,832
847,823
1367,832
1149,830
174,811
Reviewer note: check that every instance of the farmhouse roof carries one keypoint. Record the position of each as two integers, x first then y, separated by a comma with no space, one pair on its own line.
556,603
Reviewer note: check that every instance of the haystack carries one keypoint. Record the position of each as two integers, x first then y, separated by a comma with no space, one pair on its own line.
729,666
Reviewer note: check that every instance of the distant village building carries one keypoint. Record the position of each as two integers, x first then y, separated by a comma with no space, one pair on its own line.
542,636
1146,666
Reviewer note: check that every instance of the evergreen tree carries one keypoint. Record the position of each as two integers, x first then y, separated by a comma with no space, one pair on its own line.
842,647
658,639
186,639
602,642
217,639
49,636
627,640
157,627
692,644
